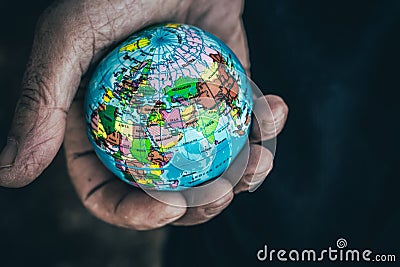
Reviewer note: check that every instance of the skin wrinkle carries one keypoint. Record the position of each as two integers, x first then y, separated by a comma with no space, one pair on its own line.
67,40
212,211
149,216
29,99
185,8
71,38
120,201
82,154
39,133
89,178
35,83
6,166
111,22
205,11
29,163
97,187
29,129
35,158
93,41
75,50
111,4
32,161
221,203
253,174
42,86
44,141
202,214
108,35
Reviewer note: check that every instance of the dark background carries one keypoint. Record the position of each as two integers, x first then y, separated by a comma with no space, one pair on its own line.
336,170
336,63
45,224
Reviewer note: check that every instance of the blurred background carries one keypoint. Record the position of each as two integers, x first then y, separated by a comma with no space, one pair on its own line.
336,171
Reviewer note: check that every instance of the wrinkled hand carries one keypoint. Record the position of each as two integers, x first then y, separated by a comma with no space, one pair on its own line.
71,37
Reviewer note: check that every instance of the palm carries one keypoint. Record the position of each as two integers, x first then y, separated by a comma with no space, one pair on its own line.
71,38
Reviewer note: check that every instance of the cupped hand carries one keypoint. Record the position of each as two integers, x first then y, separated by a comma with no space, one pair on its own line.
71,37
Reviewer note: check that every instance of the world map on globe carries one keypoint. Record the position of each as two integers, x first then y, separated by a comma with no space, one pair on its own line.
169,108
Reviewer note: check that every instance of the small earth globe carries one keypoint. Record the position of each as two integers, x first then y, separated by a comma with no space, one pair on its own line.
169,108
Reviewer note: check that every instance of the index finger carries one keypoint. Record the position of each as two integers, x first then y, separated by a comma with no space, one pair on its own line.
104,195
269,116
70,36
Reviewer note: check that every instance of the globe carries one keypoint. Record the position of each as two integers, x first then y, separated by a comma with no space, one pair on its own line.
169,108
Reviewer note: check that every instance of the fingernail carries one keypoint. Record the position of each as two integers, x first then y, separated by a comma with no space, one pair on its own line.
9,153
265,170
174,213
253,188
211,211
214,210
168,220
280,123
279,117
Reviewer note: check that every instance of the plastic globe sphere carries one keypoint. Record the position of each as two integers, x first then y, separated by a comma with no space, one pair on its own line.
169,108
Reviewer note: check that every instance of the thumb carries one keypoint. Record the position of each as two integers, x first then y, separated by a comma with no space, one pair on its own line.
38,125
70,36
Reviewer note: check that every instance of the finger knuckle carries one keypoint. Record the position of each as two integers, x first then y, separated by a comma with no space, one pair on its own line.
11,179
266,155
23,172
31,99
221,203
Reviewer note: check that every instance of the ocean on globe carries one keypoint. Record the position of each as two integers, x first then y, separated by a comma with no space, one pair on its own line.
169,108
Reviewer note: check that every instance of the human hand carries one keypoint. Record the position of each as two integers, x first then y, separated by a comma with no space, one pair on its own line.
71,37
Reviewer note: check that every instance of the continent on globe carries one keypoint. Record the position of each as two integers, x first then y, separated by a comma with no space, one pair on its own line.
169,108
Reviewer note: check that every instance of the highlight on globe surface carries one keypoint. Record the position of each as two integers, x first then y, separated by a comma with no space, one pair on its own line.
169,108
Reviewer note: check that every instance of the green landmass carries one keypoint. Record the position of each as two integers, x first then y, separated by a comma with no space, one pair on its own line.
129,177
107,118
120,76
145,70
146,90
117,155
184,87
156,117
152,176
207,124
140,149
